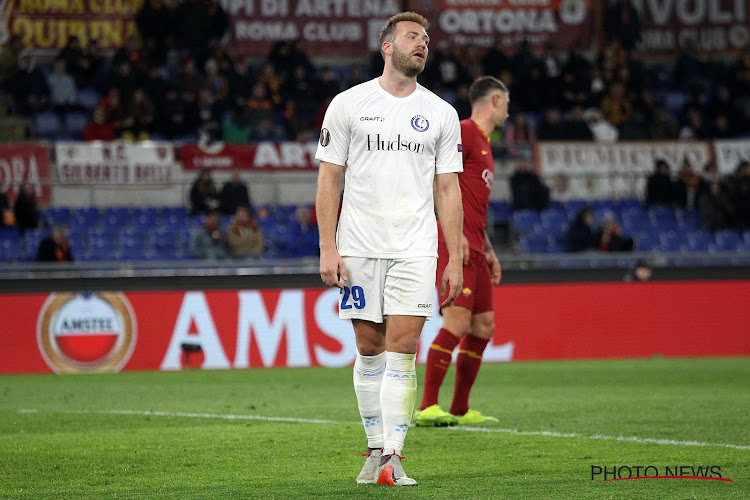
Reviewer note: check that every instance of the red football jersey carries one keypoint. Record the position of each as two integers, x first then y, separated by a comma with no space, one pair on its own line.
475,181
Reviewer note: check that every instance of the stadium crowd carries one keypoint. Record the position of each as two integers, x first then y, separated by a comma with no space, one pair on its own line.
175,81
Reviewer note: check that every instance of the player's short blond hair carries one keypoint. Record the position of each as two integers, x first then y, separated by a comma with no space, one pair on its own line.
388,32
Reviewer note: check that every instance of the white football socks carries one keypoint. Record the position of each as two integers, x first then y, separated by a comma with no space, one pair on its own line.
368,377
398,394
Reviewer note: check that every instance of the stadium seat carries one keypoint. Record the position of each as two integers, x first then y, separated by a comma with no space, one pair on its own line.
75,122
501,210
646,241
687,218
698,241
47,125
727,240
662,217
57,216
671,241
525,221
572,207
88,98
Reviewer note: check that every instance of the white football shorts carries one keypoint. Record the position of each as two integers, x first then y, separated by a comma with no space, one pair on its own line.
382,287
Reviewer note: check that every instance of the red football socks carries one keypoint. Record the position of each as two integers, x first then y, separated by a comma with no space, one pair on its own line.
469,360
438,362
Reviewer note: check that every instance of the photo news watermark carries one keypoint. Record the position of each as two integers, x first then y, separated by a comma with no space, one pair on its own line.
624,472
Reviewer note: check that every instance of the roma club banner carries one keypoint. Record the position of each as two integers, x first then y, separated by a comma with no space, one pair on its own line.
347,28
25,162
256,156
71,332
47,24
592,170
716,26
563,23
116,162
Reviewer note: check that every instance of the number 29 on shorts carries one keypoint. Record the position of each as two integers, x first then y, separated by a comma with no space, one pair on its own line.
357,295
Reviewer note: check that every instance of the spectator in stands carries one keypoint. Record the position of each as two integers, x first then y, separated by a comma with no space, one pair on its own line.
694,127
687,186
239,79
689,69
63,92
234,194
154,21
216,81
724,104
98,128
551,127
75,59
527,189
259,106
7,218
235,128
611,238
209,113
140,117
93,66
615,106
172,121
301,86
111,103
495,61
720,128
641,273
123,79
245,236
55,248
26,209
575,128
520,136
9,58
203,195
196,22
636,127
661,127
740,194
716,209
574,89
292,120
659,186
582,233
461,102
27,86
209,242
272,82
623,24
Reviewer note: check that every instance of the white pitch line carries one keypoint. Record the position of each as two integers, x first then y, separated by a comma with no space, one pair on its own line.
490,430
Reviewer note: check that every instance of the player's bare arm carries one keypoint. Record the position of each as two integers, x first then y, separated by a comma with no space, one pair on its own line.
489,253
450,213
327,208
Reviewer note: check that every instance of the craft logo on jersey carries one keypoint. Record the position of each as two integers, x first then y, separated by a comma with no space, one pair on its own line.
420,123
86,332
325,137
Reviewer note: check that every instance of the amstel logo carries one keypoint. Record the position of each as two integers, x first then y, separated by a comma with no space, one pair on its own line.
86,332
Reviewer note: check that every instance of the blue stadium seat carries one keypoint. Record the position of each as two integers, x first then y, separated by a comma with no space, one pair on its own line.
530,243
57,216
698,241
525,221
572,207
75,122
501,210
662,217
671,241
727,240
285,213
85,217
31,240
646,241
47,125
687,218
88,98
604,206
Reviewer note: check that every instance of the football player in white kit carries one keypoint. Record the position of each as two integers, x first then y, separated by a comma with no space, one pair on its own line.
391,139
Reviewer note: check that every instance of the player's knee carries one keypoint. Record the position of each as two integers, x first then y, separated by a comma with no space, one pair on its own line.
485,329
367,347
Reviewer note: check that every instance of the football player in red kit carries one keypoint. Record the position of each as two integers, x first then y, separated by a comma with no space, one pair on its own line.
468,322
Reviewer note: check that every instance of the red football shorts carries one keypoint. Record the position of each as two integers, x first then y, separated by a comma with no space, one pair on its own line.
476,295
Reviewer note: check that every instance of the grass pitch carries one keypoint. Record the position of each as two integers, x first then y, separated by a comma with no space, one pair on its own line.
295,433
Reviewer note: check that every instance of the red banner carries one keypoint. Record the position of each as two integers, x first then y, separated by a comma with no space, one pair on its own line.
259,156
716,26
48,24
324,28
22,162
563,23
108,332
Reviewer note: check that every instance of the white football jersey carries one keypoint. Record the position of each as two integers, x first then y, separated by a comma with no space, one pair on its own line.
392,148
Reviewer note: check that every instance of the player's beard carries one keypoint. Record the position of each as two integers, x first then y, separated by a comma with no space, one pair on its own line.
402,62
